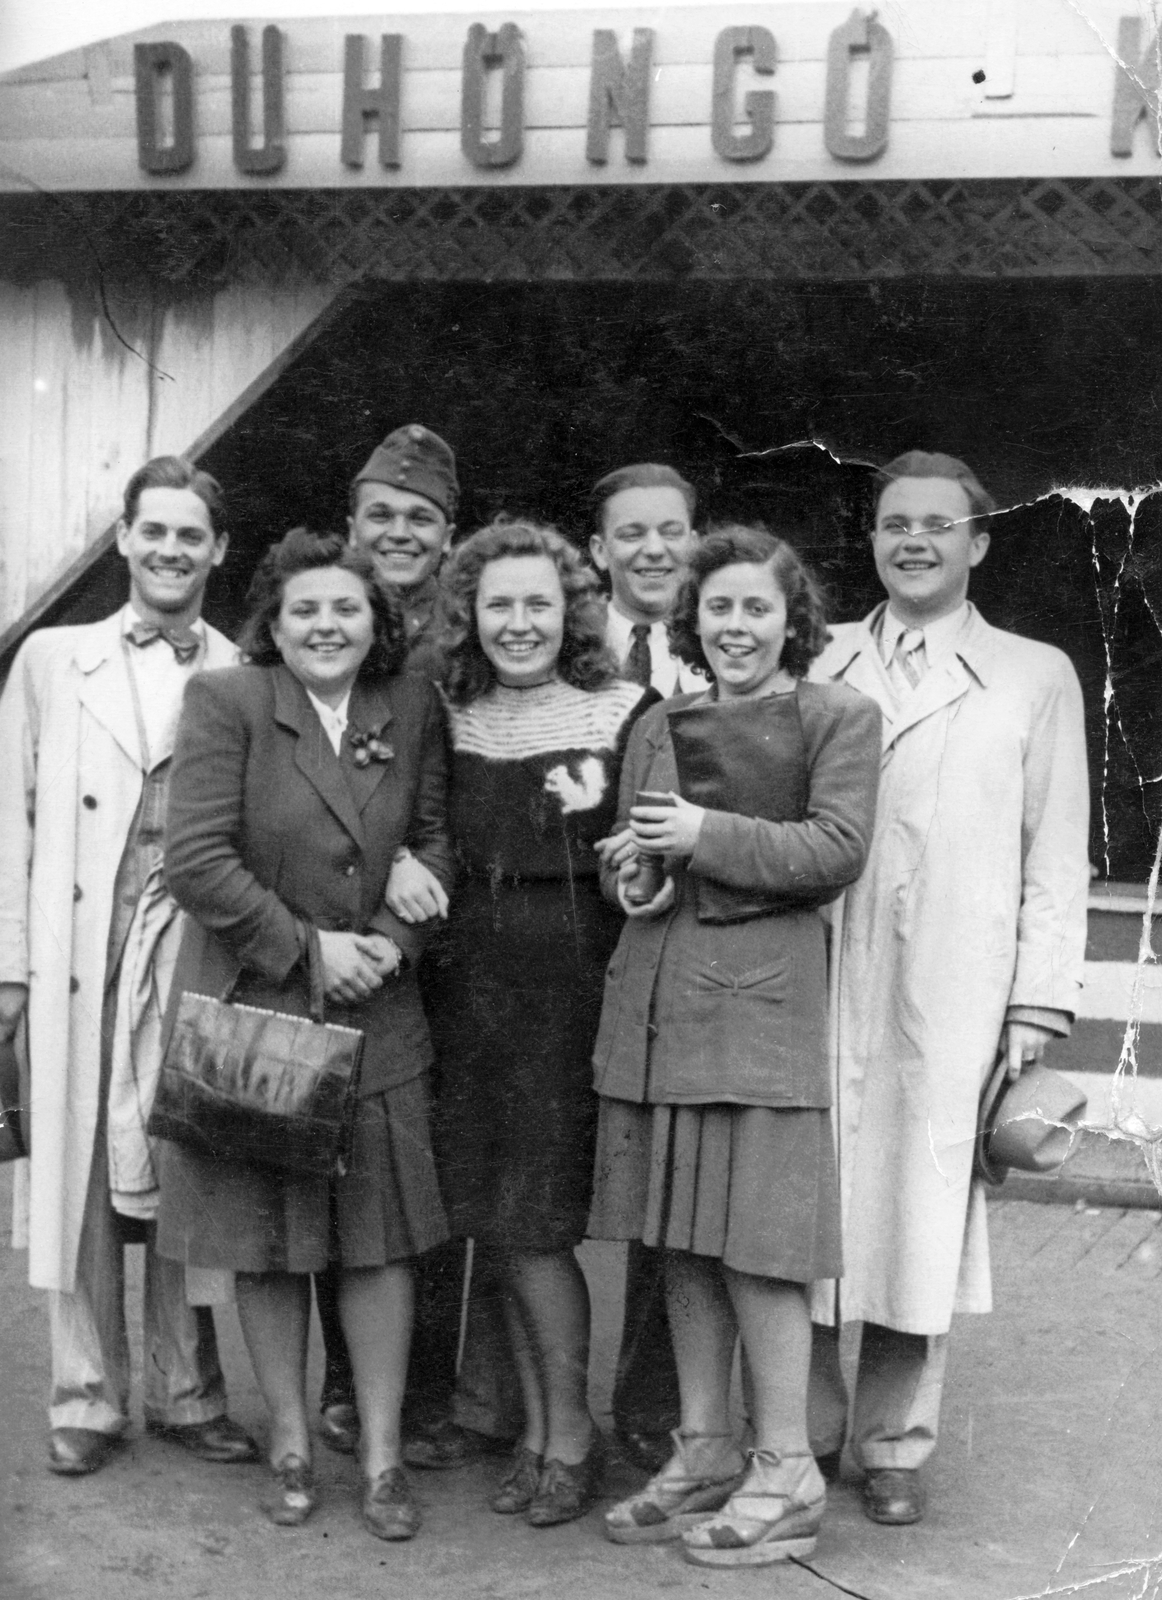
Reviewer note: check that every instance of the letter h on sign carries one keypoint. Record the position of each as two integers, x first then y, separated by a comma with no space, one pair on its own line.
360,103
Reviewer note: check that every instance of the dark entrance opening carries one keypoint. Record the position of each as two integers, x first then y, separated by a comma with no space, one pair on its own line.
774,398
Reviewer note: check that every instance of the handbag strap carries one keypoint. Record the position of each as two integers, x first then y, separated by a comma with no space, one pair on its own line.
315,971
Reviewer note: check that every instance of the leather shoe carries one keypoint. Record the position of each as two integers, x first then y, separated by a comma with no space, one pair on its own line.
438,1446
565,1492
893,1495
517,1489
389,1510
339,1427
220,1439
294,1498
74,1451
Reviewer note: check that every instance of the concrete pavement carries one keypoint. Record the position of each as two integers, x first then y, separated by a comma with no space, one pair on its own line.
1047,1481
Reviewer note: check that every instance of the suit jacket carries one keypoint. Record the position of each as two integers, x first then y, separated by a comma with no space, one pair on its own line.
70,782
266,824
973,902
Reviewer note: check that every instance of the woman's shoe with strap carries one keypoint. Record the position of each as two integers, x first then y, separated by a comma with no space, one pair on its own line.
700,1477
774,1514
295,1497
566,1491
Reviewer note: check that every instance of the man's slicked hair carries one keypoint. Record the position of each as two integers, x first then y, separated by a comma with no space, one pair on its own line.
175,472
641,475
934,464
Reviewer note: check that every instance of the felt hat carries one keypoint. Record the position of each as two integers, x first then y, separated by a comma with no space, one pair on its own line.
1028,1125
415,458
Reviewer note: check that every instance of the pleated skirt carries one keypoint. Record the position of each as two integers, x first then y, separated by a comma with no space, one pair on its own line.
752,1186
385,1207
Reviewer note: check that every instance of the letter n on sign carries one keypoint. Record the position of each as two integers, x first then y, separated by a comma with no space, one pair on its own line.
619,96
155,153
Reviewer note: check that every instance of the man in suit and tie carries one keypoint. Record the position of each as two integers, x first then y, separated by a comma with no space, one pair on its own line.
87,723
643,538
962,944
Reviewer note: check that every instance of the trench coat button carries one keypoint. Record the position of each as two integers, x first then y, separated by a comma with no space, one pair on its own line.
89,801
76,891
349,872
74,985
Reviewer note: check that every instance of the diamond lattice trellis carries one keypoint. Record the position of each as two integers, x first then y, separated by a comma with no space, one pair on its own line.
187,241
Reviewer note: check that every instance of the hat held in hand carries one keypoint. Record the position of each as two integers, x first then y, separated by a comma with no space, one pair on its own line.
1028,1125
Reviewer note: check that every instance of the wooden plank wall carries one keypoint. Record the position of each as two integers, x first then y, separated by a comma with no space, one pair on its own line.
79,411
69,122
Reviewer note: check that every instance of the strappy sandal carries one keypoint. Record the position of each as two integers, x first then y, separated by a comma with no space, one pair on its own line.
517,1489
295,1499
674,1500
762,1523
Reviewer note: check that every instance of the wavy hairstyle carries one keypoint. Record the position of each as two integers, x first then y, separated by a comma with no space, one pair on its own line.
175,472
300,550
585,662
734,544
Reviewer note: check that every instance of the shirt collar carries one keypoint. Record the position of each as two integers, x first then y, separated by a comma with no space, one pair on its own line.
621,627
331,716
938,636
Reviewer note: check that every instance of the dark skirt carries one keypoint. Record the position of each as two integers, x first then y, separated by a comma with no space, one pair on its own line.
753,1186
385,1207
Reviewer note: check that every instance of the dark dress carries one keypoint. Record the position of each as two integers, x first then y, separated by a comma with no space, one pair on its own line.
267,824
516,982
712,1056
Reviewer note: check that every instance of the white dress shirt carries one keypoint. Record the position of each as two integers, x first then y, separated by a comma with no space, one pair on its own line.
160,680
668,674
333,718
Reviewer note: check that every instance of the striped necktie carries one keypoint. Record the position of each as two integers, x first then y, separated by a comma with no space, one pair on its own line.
909,655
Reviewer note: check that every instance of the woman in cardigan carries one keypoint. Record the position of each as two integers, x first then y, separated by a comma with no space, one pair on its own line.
715,1141
296,779
538,723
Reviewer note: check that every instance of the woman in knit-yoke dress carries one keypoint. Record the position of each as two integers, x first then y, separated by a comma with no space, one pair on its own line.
538,725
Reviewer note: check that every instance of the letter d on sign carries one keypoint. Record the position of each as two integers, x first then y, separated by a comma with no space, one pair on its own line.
149,62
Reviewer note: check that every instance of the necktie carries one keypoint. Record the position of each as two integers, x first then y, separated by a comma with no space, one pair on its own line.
638,666
182,641
909,655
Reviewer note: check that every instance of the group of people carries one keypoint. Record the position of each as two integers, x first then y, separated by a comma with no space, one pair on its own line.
673,917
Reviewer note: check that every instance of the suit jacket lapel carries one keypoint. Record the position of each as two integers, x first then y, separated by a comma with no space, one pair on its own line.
105,690
314,757
369,708
942,684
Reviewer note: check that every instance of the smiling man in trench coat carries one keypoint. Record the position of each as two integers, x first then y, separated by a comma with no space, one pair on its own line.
965,937
87,721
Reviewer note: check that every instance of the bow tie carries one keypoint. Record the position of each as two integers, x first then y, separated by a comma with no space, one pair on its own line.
183,642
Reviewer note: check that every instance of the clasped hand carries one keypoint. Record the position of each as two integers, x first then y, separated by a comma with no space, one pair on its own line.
413,892
355,964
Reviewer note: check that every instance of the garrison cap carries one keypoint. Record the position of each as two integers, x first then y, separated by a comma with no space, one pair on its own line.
415,458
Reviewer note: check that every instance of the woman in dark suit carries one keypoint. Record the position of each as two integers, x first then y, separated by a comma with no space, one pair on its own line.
296,779
711,1061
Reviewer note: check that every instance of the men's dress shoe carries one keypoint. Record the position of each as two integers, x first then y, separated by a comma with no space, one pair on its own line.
74,1451
565,1492
389,1510
893,1495
220,1439
649,1451
517,1489
294,1498
339,1427
438,1446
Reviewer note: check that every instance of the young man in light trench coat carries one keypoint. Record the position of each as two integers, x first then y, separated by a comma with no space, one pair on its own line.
87,721
965,937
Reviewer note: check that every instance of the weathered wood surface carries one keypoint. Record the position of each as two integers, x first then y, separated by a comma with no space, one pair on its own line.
69,122
79,411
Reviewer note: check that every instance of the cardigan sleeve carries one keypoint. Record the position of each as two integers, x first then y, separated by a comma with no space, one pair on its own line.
639,757
810,861
204,865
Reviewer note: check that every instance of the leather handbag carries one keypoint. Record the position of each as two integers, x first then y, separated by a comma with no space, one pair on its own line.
13,1104
260,1087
